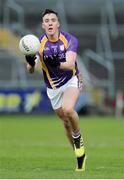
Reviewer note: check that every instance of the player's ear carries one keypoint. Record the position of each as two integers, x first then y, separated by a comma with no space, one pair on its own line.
43,25
58,25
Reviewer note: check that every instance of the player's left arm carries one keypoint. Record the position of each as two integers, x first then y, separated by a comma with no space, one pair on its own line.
71,54
70,61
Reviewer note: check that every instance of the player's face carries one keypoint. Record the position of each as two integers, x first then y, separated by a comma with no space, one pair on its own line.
50,24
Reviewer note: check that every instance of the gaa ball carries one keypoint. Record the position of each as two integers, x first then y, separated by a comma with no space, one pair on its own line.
29,44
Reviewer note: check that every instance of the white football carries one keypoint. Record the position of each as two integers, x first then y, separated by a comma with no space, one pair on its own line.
29,44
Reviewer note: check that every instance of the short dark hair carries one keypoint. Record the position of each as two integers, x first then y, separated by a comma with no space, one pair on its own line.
48,11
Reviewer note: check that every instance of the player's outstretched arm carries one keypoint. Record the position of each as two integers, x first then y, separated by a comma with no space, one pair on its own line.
30,68
32,62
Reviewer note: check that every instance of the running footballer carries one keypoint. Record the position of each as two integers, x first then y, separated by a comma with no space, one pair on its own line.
58,53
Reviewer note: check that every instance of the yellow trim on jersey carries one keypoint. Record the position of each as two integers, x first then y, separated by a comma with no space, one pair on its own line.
64,40
42,44
48,75
44,67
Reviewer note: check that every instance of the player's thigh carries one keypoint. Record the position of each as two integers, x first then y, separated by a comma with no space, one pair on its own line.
70,97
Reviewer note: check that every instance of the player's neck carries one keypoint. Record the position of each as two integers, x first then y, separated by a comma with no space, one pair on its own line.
54,37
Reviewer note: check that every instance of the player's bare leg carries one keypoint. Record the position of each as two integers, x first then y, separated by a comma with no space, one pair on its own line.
67,125
69,99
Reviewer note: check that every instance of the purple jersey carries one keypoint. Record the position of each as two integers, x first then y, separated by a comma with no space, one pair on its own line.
53,76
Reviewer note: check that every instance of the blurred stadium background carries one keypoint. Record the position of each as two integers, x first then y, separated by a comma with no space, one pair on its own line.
99,27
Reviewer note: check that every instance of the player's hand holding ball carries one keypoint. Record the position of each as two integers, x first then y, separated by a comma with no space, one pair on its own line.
29,45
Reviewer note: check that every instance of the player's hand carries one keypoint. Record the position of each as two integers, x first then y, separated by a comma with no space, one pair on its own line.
30,60
30,68
53,61
80,79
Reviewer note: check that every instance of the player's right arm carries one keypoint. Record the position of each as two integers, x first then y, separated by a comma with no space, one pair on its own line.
32,62
30,68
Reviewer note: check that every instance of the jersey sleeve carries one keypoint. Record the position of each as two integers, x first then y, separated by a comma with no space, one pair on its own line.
72,44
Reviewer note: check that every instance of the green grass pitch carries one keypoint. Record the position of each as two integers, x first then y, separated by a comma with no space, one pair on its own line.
35,147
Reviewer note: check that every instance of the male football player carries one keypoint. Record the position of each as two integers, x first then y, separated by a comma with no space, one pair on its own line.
58,53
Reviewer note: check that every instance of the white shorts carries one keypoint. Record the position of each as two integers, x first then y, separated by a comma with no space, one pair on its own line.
56,95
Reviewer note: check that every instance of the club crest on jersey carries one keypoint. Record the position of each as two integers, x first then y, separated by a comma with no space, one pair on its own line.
62,47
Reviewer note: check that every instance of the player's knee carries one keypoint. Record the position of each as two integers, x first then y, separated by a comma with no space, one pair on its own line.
60,114
67,110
